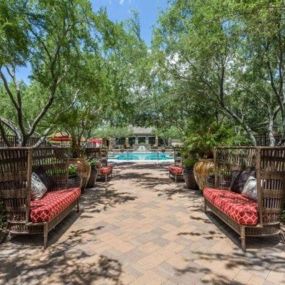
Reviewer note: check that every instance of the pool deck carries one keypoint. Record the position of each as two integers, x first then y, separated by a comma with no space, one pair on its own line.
141,228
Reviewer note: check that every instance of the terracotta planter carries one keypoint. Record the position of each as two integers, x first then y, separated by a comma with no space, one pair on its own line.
189,178
93,177
83,170
202,170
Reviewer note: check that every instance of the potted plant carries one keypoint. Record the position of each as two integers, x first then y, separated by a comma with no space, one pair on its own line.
198,161
95,165
204,167
188,164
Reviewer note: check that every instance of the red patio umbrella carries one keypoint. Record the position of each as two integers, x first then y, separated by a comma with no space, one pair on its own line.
60,137
95,140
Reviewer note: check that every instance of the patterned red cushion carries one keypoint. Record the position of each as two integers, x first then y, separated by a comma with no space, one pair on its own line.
52,204
175,170
106,170
240,208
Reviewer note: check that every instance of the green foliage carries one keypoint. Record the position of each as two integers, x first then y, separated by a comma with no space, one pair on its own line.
199,143
169,133
13,32
214,56
47,36
94,162
214,74
202,141
72,170
189,162
85,69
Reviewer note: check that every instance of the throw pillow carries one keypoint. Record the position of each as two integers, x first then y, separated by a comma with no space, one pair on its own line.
250,189
235,174
38,188
46,179
241,178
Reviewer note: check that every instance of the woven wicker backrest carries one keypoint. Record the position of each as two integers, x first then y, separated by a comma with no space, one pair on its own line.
14,184
269,163
54,161
272,183
228,160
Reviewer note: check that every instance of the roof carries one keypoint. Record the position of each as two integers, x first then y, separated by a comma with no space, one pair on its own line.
142,131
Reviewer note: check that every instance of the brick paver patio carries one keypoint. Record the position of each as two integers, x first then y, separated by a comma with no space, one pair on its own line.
141,229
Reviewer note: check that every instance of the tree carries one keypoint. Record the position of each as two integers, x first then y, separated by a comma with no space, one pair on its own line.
216,51
88,99
128,66
99,88
45,36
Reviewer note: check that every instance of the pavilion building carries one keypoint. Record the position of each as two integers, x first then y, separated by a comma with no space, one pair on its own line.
140,136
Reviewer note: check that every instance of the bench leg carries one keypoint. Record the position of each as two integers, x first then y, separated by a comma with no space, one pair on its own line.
175,178
77,206
45,235
242,238
106,178
205,206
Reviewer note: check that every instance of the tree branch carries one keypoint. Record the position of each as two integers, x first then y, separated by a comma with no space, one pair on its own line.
41,115
43,137
8,90
3,135
19,100
13,128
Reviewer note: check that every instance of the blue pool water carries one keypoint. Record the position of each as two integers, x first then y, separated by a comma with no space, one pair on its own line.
141,156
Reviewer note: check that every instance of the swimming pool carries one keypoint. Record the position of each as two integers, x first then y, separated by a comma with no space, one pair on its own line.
141,156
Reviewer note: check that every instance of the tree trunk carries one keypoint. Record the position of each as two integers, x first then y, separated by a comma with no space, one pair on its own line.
75,146
272,140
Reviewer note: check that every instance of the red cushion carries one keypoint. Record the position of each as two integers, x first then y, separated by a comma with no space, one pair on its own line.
52,204
175,170
238,207
106,170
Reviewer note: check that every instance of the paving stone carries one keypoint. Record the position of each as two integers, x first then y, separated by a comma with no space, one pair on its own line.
255,280
276,277
243,276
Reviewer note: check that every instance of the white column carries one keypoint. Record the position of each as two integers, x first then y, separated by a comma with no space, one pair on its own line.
156,140
127,141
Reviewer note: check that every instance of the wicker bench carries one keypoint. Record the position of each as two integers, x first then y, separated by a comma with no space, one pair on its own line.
246,216
175,172
27,216
105,172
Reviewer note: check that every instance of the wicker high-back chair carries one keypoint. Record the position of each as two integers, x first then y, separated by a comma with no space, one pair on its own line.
269,164
16,167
